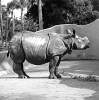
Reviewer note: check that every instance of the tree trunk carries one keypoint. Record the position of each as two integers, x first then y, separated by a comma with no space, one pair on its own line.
7,32
1,22
22,20
40,14
13,22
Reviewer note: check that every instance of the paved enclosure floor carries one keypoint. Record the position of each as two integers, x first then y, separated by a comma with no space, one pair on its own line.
39,87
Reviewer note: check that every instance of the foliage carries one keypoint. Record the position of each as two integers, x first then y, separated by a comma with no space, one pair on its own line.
30,25
12,5
64,11
23,3
95,4
54,12
82,12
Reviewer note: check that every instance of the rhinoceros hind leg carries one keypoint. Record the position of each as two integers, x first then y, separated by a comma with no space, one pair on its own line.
26,76
18,69
52,67
22,76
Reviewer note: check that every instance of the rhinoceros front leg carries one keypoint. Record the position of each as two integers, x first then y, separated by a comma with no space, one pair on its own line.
56,69
53,68
18,69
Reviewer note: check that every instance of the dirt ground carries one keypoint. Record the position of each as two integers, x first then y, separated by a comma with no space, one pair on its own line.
39,87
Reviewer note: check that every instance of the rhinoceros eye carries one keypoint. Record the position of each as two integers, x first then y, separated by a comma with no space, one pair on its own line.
76,37
79,40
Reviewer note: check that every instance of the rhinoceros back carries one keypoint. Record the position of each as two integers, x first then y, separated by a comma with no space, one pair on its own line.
35,48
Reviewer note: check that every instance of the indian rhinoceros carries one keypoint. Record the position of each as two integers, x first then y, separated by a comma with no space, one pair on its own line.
43,48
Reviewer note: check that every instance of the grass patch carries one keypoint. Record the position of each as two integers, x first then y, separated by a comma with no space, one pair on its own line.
81,77
88,78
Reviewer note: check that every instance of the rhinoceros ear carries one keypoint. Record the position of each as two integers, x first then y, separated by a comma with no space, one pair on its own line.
68,31
74,33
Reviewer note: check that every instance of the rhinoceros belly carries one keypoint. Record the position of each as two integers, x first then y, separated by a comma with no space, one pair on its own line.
35,49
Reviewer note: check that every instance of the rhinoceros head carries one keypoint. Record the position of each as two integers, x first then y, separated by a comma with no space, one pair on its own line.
76,42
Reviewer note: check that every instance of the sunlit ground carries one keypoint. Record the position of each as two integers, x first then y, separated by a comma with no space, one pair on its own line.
39,87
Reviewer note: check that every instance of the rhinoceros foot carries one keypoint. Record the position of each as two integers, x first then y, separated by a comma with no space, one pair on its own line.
23,76
52,77
58,76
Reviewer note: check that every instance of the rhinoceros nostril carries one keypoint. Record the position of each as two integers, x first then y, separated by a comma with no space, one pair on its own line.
88,44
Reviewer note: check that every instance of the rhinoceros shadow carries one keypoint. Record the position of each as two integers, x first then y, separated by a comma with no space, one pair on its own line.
24,78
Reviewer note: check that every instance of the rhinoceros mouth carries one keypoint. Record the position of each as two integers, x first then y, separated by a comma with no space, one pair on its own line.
87,46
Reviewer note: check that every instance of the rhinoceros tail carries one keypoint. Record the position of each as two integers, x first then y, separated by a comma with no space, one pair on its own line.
8,54
49,35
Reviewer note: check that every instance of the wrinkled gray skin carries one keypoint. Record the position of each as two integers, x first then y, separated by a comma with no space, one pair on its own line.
42,48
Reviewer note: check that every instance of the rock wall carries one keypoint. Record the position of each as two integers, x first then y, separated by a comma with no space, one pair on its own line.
90,30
